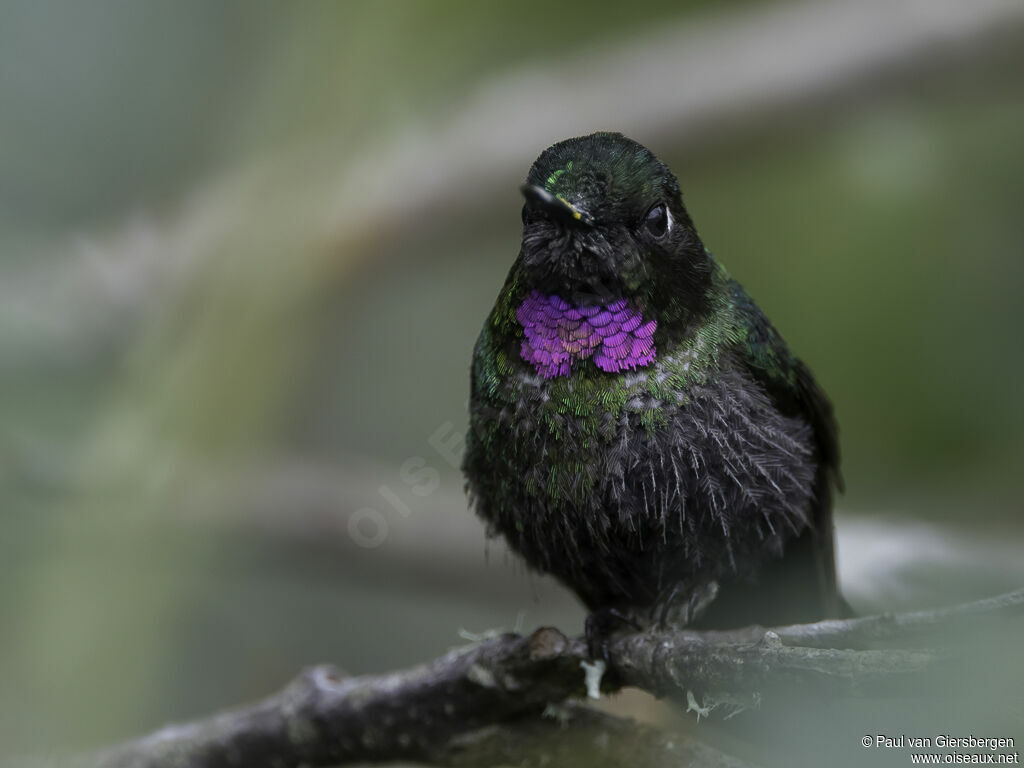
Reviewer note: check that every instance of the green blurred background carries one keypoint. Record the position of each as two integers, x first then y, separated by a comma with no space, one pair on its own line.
245,249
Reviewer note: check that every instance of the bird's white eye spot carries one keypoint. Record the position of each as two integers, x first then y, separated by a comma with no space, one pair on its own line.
658,221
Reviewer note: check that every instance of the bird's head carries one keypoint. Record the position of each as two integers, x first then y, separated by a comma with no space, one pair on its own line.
604,219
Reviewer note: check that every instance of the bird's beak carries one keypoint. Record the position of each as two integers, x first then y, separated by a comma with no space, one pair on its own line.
555,205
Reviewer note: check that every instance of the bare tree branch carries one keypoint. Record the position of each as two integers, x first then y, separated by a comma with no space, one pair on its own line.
883,627
472,705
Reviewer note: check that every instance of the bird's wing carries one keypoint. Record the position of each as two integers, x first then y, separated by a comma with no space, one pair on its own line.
791,386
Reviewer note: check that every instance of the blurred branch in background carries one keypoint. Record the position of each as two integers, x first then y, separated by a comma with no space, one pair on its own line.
246,250
774,61
435,713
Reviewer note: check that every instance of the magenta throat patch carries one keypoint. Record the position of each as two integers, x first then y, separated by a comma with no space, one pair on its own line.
559,334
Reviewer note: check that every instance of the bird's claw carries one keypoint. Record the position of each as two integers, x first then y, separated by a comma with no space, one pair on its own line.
599,626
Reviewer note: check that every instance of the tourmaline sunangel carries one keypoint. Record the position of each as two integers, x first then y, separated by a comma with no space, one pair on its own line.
638,428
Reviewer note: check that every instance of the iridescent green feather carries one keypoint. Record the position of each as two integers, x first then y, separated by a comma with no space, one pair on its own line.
589,396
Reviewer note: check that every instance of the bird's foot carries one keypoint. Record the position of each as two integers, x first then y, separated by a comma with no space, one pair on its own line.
600,625
665,607
673,611
700,599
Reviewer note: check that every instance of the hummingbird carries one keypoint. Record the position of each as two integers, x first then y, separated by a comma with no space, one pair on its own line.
638,428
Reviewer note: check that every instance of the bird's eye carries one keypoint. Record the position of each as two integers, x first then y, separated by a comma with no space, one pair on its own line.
657,220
